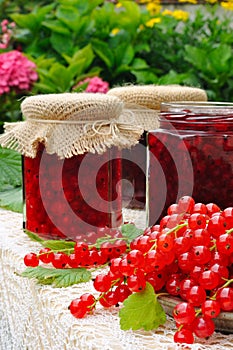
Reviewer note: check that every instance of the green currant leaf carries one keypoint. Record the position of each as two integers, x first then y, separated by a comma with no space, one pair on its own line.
55,245
58,245
12,199
130,232
10,168
57,277
142,310
33,236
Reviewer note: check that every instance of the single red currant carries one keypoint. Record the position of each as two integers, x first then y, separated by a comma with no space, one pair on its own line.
31,259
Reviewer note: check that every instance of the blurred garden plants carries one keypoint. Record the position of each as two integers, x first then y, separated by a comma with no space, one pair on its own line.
93,45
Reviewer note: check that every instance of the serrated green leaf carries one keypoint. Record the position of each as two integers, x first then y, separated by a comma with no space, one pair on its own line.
130,231
12,199
57,245
33,236
60,76
62,43
10,168
103,51
139,64
56,26
57,277
26,21
142,310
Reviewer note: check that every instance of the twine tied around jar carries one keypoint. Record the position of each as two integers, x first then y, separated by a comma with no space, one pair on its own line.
72,123
145,100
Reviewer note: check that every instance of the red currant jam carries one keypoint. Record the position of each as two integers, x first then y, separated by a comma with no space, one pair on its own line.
69,198
191,154
134,172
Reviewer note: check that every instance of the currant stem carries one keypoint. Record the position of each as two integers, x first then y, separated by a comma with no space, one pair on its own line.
228,232
228,282
177,227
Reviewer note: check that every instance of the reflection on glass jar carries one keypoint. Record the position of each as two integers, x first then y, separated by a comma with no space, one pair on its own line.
72,197
134,172
190,154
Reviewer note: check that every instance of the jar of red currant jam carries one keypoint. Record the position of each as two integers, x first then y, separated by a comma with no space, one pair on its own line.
144,101
71,146
190,154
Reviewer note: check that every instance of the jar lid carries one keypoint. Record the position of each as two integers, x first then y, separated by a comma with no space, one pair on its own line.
71,123
149,98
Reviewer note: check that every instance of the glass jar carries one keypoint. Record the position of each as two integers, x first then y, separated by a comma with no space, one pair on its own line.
72,198
134,175
190,154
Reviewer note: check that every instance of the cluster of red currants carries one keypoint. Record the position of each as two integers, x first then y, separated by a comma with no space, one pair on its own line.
81,255
189,255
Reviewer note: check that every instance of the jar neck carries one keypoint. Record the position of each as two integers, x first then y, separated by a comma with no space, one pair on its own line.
214,121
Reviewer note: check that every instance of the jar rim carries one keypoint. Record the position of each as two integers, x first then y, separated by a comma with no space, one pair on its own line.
196,104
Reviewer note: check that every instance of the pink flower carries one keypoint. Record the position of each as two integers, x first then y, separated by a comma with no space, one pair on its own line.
95,84
17,72
6,31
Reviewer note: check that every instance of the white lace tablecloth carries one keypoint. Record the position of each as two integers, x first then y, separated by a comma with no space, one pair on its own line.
35,317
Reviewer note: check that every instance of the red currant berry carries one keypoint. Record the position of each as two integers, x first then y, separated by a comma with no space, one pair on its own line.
60,260
78,308
196,295
209,279
108,299
89,300
228,214
31,260
212,208
186,204
211,308
114,266
102,283
184,313
136,283
224,243
182,245
172,209
217,225
200,254
225,298
46,255
122,292
196,221
184,336
203,327
200,208
185,285
135,258
165,242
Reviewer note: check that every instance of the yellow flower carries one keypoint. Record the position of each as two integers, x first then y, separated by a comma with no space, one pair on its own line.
167,12
228,5
190,1
118,4
180,15
115,31
153,21
211,1
153,8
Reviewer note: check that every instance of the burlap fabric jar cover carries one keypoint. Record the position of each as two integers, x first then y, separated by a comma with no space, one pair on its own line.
71,146
144,101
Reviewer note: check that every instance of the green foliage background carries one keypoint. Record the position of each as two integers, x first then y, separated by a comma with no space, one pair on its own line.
70,40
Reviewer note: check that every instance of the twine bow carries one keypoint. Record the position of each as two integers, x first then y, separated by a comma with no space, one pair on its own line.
112,127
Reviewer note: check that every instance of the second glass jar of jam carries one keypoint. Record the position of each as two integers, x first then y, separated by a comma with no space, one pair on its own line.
144,102
190,154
